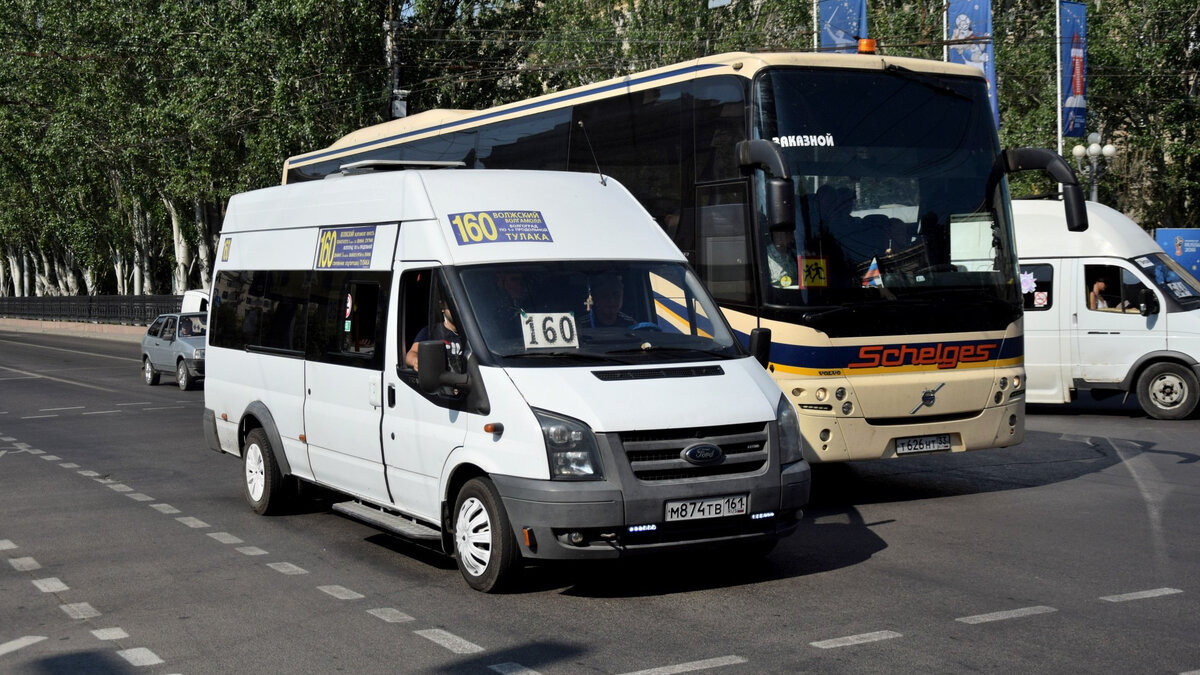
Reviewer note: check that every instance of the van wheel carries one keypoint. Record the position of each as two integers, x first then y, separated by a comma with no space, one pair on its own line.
182,374
267,491
148,375
1167,391
484,545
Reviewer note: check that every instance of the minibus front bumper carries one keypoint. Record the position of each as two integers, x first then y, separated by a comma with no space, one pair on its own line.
622,515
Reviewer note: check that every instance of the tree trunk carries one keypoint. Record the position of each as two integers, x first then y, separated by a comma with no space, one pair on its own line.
183,252
203,246
14,268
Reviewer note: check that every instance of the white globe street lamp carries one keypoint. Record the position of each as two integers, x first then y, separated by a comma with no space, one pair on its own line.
1093,153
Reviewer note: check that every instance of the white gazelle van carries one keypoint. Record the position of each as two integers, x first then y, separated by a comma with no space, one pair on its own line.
1106,309
507,365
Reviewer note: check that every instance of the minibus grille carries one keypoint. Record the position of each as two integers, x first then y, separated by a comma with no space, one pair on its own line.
658,455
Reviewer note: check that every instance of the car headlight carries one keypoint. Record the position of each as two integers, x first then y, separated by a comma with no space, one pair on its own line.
570,448
789,432
199,353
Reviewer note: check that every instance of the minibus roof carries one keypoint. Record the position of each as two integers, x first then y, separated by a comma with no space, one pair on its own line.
533,215
1041,228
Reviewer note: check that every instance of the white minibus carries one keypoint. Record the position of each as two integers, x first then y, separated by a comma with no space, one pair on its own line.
1106,310
506,365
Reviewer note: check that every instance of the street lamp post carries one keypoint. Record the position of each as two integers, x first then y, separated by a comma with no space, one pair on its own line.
1095,169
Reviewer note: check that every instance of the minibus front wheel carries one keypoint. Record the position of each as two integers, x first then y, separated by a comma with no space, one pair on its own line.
484,544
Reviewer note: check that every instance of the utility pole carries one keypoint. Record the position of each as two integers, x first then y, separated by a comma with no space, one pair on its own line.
397,106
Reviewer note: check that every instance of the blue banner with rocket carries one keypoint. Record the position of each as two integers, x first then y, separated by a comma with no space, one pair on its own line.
969,37
841,24
1073,57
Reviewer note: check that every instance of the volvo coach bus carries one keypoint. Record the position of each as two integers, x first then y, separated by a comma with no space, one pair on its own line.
851,207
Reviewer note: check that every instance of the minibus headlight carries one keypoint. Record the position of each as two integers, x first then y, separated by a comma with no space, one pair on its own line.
789,432
570,448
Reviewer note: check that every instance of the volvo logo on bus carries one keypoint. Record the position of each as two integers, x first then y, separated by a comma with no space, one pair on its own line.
703,454
928,398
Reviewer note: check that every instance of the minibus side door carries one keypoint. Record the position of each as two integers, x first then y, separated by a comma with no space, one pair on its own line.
1110,337
343,376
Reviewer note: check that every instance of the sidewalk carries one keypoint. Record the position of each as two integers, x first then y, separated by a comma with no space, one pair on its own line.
105,331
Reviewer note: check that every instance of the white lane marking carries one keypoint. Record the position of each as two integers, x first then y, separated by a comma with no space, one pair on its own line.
718,662
89,473
251,550
1141,595
110,634
104,481
164,508
7,545
80,610
36,417
69,465
7,439
166,407
120,487
225,538
51,458
101,412
194,523
449,641
862,638
512,669
19,643
341,592
140,656
287,568
1007,614
72,351
390,615
135,403
24,564
50,585
74,407
139,497
56,379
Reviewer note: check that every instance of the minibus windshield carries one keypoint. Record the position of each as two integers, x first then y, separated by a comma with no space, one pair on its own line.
595,312
1171,278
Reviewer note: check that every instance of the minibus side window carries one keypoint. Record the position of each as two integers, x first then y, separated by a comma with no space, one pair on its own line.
347,313
1037,286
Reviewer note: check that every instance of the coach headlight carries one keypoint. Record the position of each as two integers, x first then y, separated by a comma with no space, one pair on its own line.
789,432
570,448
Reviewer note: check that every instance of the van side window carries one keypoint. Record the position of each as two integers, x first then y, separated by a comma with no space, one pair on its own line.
260,310
1111,288
347,313
1037,287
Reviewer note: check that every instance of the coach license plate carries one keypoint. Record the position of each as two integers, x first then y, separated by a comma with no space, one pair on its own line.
710,507
915,444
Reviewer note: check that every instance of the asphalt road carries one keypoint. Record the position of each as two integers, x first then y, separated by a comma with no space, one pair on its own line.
126,547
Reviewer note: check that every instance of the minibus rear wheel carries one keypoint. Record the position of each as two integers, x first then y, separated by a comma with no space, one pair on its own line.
266,488
484,544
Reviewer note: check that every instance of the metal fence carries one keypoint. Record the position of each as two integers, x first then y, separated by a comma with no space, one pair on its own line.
135,310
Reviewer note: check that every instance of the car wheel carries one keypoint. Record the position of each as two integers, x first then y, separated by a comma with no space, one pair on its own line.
484,545
1168,391
182,374
267,491
148,375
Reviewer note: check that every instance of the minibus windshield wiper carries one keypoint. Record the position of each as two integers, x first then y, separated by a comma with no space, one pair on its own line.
573,354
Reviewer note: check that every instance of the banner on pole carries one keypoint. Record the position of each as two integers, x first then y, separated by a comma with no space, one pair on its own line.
1073,48
969,36
842,23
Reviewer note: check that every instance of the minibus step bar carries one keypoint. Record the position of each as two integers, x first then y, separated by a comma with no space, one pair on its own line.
387,522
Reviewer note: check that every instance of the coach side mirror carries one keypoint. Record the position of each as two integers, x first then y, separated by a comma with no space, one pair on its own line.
760,345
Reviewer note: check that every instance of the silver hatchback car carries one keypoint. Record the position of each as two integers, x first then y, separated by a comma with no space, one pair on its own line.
174,343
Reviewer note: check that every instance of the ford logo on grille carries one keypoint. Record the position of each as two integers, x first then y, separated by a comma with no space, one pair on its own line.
703,454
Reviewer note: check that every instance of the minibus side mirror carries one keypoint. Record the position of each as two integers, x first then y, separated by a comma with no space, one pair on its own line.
760,345
433,368
1148,302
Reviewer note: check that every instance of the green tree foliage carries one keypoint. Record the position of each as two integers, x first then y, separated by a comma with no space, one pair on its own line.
127,126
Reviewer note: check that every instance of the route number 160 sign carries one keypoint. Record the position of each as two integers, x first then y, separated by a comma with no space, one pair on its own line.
549,330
